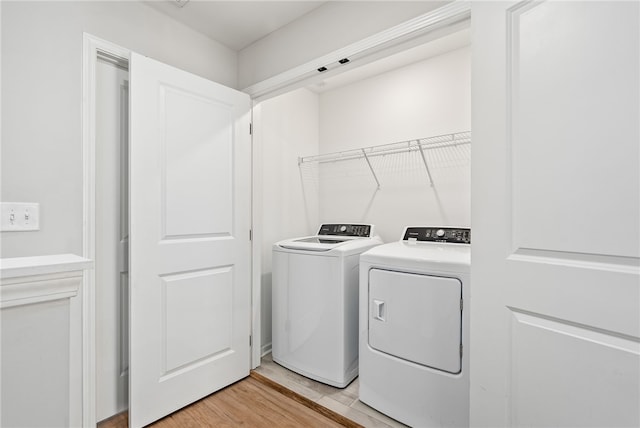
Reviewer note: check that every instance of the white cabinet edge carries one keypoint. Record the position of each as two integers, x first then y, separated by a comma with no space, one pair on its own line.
27,280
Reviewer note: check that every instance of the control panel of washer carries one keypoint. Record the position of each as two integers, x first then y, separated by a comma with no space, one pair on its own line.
357,230
438,234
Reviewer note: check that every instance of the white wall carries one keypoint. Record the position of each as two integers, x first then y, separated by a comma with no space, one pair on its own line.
35,365
41,100
290,129
424,99
330,27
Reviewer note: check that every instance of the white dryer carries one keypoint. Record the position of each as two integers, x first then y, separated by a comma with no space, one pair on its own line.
315,302
414,327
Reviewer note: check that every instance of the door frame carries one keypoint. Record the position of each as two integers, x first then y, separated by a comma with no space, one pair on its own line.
422,29
93,48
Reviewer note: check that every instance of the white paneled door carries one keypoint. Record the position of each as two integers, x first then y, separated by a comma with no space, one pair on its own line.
189,238
555,297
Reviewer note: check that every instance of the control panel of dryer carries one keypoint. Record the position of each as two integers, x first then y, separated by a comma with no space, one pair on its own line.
438,234
358,230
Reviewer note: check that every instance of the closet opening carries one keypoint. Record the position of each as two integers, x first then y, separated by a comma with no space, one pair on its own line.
385,143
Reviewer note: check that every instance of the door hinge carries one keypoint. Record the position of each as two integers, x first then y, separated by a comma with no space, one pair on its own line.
250,340
461,350
250,235
251,129
461,305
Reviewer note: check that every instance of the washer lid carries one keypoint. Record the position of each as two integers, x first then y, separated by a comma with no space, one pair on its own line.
316,243
320,240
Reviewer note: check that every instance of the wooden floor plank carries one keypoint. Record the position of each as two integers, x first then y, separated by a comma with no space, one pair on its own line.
252,402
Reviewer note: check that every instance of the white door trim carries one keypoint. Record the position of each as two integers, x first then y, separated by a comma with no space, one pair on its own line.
256,237
93,48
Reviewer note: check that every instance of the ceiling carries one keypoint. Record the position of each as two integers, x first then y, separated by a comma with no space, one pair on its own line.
235,24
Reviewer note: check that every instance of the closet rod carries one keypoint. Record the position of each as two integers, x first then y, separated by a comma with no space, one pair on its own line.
421,144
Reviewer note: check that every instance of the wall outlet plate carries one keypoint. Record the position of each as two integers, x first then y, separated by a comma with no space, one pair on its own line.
19,216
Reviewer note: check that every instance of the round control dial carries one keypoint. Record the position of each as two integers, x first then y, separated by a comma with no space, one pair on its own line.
440,233
343,228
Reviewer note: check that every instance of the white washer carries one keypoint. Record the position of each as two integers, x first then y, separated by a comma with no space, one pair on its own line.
315,302
414,327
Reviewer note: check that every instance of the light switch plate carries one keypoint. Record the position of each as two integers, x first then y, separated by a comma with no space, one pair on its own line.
19,216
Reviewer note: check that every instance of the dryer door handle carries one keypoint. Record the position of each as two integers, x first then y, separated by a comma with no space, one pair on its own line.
379,310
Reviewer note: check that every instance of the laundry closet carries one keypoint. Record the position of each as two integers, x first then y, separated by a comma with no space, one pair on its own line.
387,143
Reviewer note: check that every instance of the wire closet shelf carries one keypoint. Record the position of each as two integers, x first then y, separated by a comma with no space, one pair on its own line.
419,145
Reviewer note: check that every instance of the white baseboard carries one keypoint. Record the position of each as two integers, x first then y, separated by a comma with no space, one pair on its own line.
265,349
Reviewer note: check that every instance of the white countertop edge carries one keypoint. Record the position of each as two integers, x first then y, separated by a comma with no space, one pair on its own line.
15,267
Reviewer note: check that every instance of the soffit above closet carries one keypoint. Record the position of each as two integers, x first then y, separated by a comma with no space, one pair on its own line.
235,24
403,58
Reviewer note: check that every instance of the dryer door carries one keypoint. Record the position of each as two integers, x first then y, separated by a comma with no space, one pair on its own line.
416,317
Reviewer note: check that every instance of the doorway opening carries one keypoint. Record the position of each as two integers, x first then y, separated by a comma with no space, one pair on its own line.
181,190
312,171
112,236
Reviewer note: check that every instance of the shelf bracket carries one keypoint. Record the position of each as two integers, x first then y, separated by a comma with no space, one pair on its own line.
424,160
370,167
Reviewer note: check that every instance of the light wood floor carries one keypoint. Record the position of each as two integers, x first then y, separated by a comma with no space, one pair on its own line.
343,401
252,402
